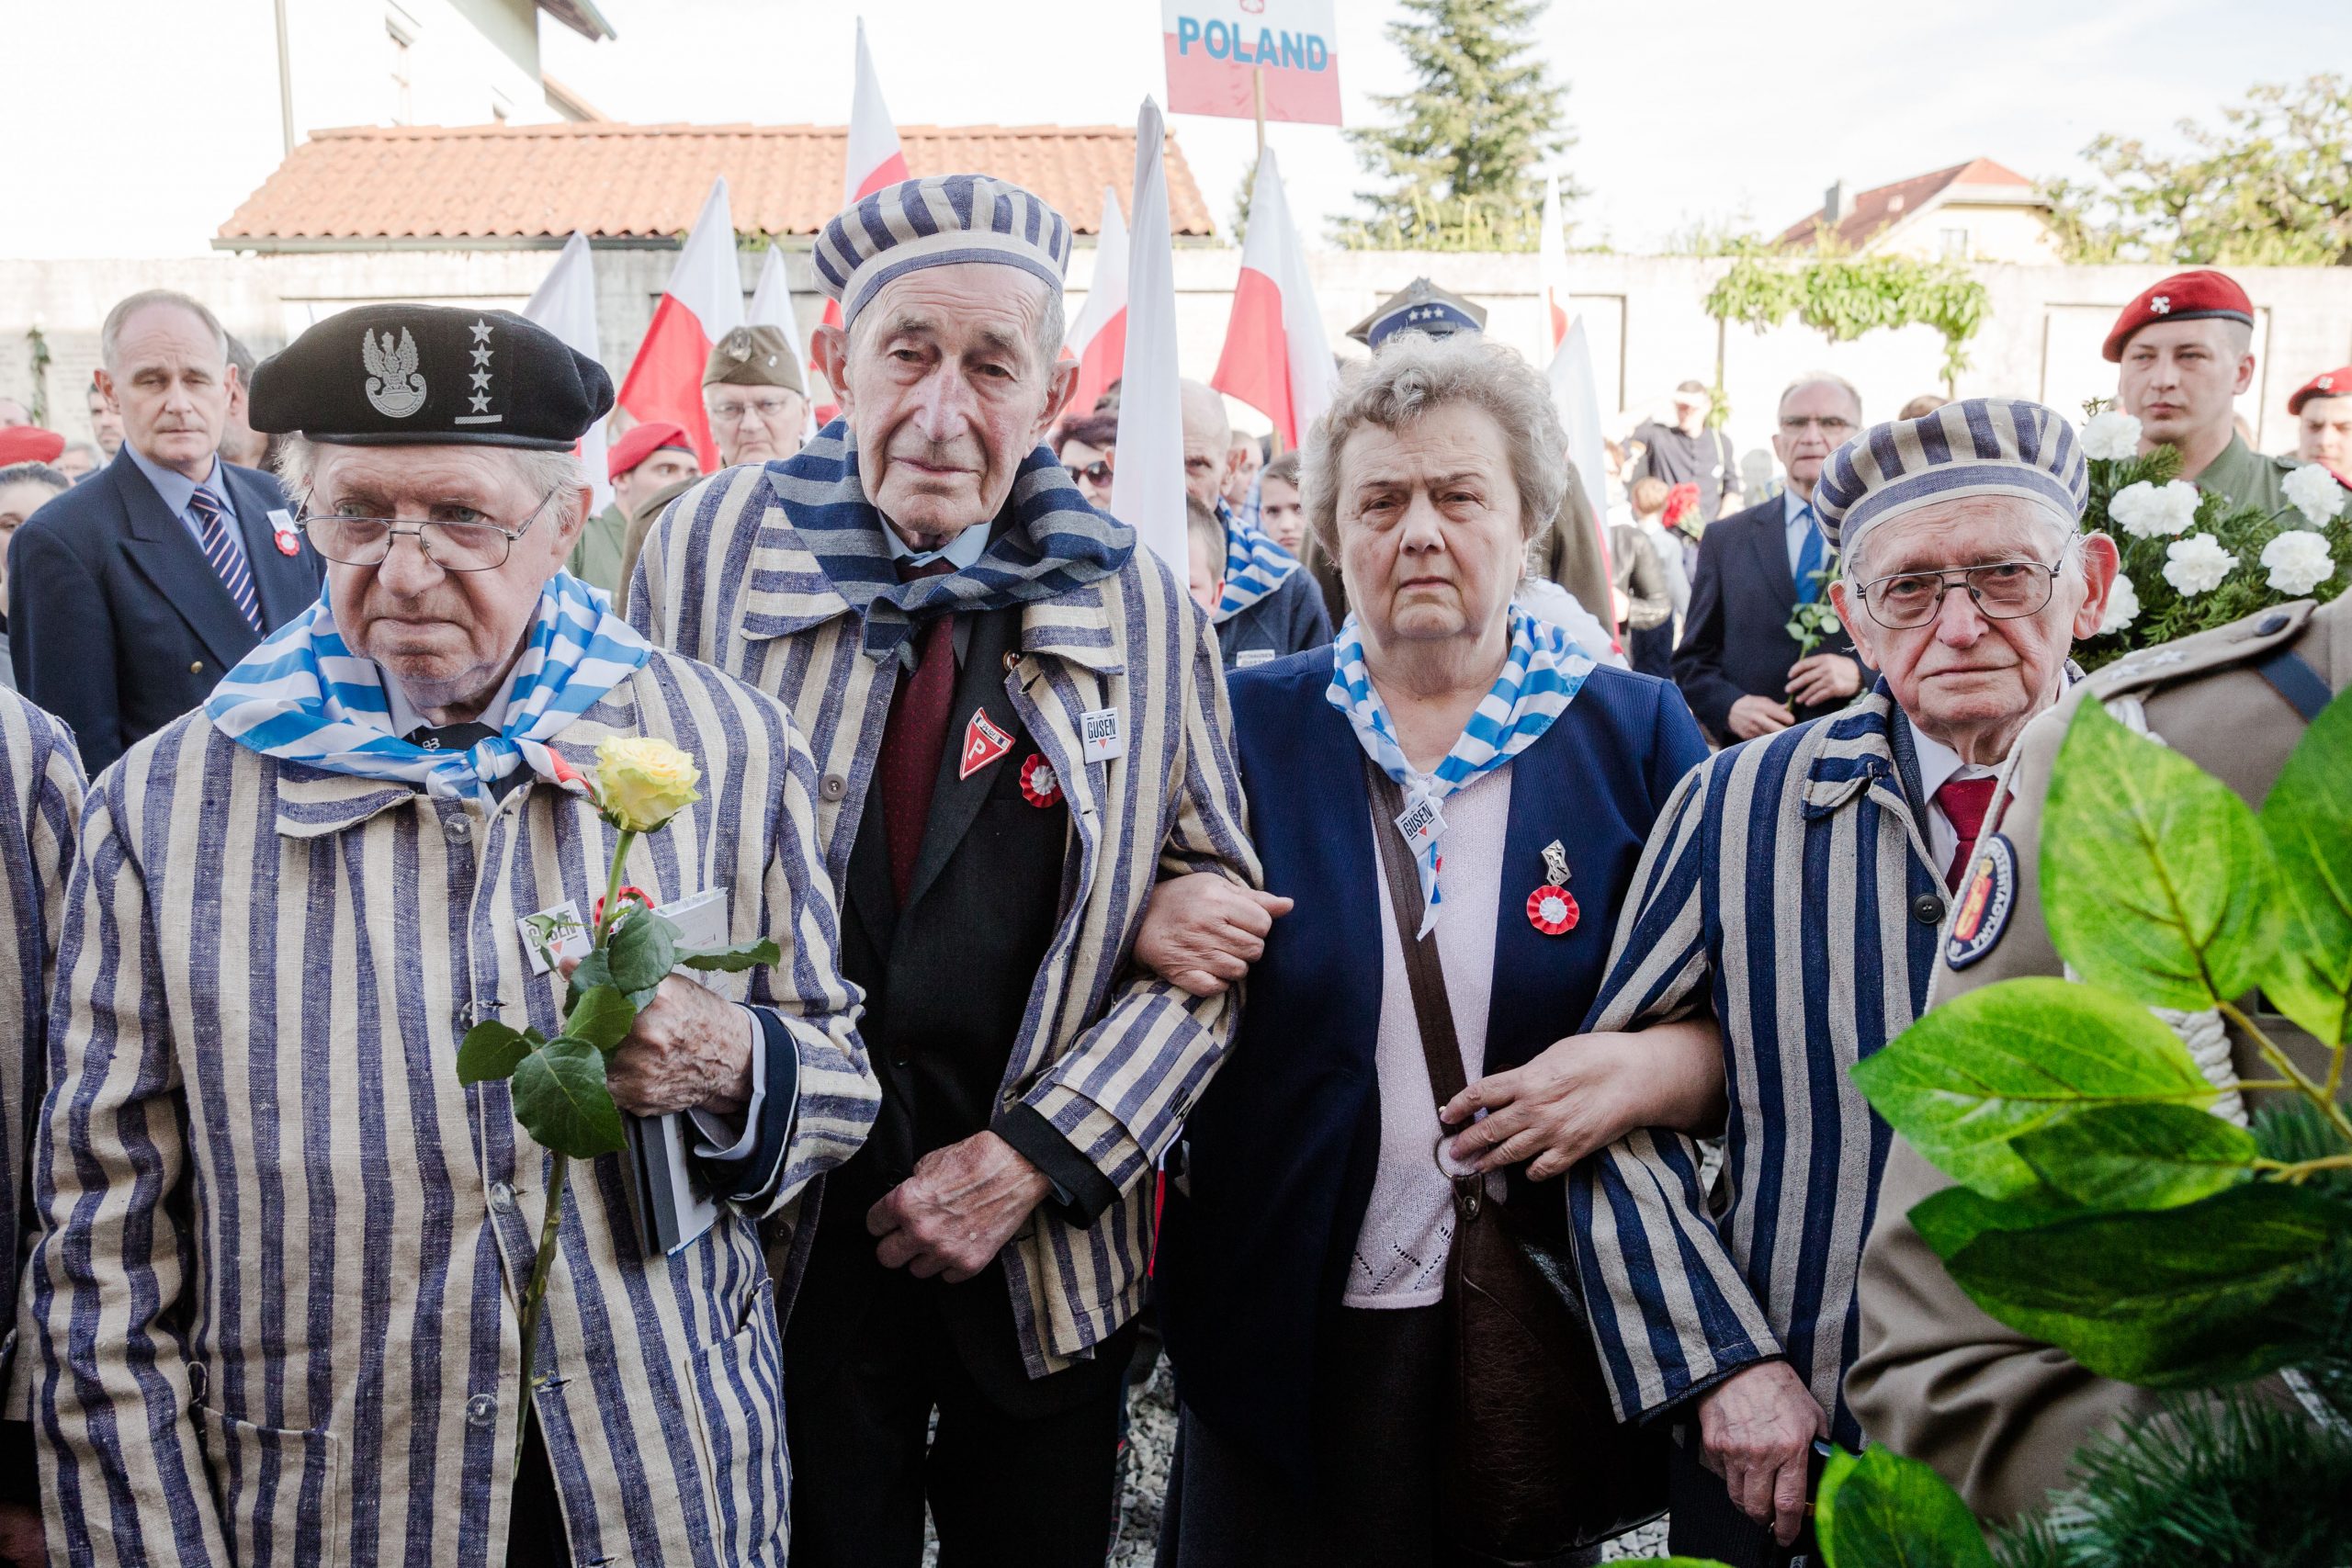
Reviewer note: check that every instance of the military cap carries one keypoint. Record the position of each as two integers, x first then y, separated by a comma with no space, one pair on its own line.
2337,383
640,442
29,444
942,221
429,375
754,357
1420,306
2195,296
1977,447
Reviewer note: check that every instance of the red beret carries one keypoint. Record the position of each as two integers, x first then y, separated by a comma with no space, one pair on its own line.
2335,383
2183,296
641,442
29,444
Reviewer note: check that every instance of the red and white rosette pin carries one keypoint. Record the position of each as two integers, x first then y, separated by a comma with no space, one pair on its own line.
1552,908
1039,787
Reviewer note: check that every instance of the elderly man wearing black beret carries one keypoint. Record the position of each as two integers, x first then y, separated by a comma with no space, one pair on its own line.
282,1249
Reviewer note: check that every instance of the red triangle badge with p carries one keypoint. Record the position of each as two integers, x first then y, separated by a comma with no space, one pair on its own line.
983,743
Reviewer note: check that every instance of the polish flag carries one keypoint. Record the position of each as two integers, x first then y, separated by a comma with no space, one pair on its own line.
1098,339
1551,266
1148,486
1276,358
565,303
1569,354
703,303
870,161
772,307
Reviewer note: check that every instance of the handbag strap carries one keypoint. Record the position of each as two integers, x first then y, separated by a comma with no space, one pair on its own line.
1432,1011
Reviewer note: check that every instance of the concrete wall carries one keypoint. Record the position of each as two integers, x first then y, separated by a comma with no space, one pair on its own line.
1648,331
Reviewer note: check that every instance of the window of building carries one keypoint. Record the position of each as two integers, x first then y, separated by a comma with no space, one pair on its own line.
1952,244
403,72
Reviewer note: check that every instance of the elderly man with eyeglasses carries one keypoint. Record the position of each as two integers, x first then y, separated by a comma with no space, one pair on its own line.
754,396
275,1294
1795,887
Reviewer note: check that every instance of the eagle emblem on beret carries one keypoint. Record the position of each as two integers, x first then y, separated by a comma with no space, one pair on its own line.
394,389
2161,304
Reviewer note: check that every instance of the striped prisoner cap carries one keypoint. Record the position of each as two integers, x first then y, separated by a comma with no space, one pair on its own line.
938,221
1978,446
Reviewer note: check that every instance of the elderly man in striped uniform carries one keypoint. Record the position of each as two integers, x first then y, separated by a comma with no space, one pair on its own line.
1020,724
1795,884
276,1295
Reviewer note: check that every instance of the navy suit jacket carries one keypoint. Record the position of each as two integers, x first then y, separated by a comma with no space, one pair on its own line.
116,623
1736,640
1279,1155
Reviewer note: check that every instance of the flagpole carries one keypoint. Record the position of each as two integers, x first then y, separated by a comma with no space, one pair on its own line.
1257,90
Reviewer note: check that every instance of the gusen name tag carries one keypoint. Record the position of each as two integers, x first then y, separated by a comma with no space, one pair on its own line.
1422,824
1102,736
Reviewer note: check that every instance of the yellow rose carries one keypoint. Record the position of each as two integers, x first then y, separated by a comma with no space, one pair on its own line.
641,782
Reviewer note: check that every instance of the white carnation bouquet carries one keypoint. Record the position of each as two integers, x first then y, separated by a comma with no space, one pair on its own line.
2191,560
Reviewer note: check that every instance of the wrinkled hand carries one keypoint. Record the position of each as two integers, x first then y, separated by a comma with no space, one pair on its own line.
958,1208
1751,716
1585,1092
1201,932
21,1541
689,1049
1820,678
1757,1429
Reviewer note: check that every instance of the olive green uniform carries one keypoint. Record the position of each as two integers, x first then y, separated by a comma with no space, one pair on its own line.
597,559
2248,477
1997,1412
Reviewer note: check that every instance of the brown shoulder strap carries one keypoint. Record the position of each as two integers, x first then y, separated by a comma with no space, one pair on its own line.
1433,1012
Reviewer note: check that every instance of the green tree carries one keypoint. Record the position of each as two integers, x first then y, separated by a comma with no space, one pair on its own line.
2270,185
1459,155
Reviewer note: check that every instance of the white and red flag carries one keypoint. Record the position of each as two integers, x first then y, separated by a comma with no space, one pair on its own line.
772,307
1148,486
870,161
1276,358
565,303
1568,356
703,303
1098,339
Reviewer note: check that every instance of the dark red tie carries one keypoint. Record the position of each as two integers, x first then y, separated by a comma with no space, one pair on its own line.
1965,802
915,735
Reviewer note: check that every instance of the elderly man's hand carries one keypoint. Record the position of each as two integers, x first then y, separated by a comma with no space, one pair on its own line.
1201,932
1751,716
1587,1091
1820,678
689,1049
958,1208
1756,1431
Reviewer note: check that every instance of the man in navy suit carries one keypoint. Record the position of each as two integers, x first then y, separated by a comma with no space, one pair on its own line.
1740,670
130,596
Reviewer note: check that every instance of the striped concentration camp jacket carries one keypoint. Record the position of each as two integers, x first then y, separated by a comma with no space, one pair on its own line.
40,799
1790,884
1112,1057
278,1289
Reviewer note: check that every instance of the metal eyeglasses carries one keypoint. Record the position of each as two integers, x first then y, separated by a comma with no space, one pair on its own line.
452,547
2004,590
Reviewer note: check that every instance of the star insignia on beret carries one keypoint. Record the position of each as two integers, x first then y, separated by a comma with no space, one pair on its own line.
481,332
2326,383
2161,304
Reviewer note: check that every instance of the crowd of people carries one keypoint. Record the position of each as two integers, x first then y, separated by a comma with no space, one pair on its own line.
1335,949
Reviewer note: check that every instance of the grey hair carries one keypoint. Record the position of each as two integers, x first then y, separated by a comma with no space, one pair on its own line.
110,334
541,472
1414,374
1821,379
36,473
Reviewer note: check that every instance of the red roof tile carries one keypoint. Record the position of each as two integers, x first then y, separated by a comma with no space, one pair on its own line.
479,182
1875,209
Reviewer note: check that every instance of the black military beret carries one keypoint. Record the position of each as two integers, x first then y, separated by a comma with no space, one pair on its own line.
418,375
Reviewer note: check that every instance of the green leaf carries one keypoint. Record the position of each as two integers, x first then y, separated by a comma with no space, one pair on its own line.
2211,1292
1881,1510
596,970
601,1017
2139,1157
732,960
490,1053
641,950
1988,1065
2308,821
1949,1220
562,1100
2156,878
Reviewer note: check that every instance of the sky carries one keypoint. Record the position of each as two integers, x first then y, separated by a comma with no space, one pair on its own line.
1716,112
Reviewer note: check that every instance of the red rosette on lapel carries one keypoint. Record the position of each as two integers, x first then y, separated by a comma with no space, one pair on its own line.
1039,787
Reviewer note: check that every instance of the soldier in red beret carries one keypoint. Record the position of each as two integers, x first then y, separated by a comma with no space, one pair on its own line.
29,444
2186,349
2323,411
645,459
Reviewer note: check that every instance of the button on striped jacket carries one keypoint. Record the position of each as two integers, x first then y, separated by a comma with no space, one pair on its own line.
1112,1057
1783,886
277,1292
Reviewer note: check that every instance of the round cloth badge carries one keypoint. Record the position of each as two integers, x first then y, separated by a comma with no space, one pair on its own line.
1986,902
288,542
1039,787
1552,908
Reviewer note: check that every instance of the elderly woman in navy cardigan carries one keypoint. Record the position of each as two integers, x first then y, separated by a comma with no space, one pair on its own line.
1302,1263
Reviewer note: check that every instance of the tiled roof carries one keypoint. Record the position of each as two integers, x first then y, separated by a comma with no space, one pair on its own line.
1875,209
480,182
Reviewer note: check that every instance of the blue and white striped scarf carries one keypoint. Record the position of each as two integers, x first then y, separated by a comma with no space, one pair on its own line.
1542,673
1054,541
1254,565
304,697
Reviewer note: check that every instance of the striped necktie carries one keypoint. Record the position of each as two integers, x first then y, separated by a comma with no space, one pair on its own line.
220,550
1809,554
